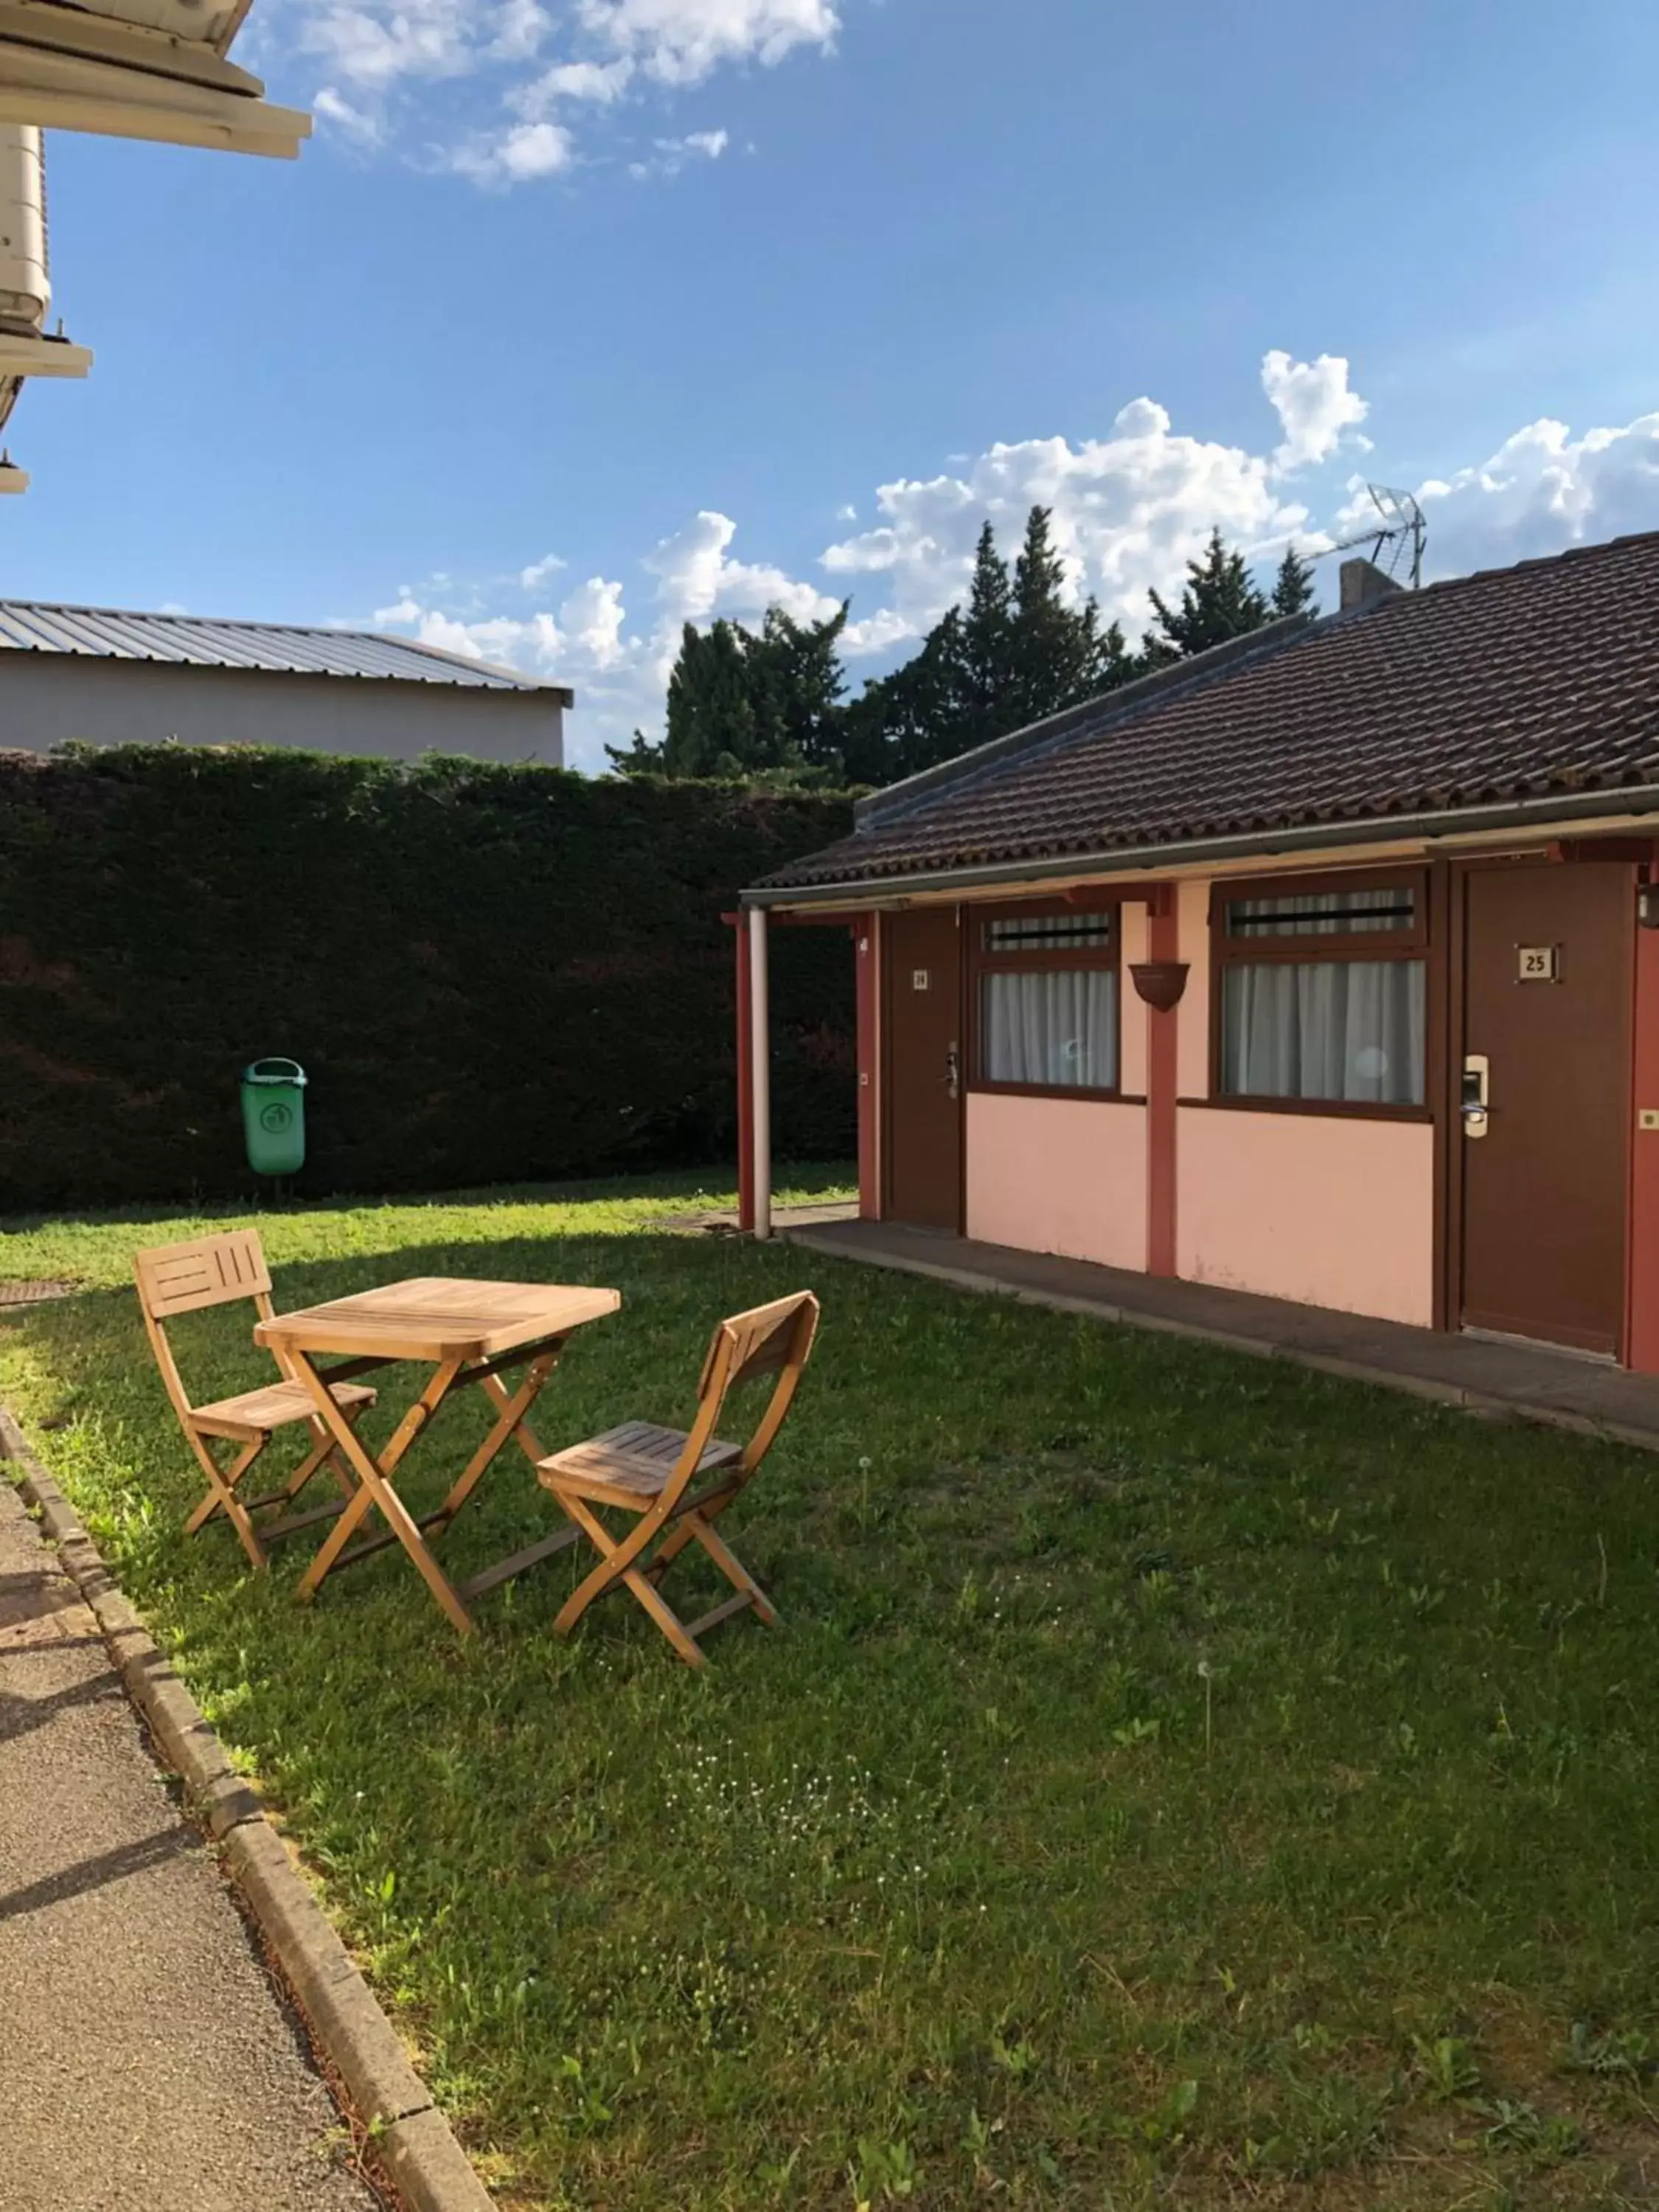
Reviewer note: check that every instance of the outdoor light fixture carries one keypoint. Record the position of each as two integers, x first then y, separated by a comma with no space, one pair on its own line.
140,68
12,478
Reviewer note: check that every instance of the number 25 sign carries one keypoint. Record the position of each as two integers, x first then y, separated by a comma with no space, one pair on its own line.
1534,964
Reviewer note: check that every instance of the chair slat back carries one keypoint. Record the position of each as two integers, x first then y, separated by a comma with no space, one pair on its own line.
758,1342
178,1279
770,1339
209,1271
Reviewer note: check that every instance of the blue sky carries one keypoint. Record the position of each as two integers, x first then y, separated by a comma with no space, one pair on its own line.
579,318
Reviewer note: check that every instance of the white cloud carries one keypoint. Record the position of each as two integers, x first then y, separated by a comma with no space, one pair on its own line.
357,122
696,581
1128,510
536,574
521,152
372,44
1314,405
601,82
1541,492
519,35
1130,507
673,154
446,72
682,41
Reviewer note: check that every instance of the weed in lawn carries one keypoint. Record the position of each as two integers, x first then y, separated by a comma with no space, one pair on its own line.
1446,2065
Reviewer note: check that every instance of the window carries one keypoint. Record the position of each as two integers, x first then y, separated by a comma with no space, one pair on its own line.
1322,993
1044,981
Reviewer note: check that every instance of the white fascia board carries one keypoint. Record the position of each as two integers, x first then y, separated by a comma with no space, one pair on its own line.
67,91
39,356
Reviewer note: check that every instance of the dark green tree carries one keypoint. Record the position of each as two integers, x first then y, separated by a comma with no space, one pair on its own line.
978,645
1013,653
759,706
1058,655
893,728
795,686
1294,590
713,727
1218,601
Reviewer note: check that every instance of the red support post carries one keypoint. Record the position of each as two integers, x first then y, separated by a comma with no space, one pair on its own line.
1162,1078
745,1079
1641,1323
866,951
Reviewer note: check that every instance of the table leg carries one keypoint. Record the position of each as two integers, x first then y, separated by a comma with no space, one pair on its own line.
510,1422
374,1478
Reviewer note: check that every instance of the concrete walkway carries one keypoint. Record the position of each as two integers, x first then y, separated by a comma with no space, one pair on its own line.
1529,1381
146,2062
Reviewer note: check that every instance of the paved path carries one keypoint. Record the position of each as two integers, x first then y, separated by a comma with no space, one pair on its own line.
146,2062
1533,1381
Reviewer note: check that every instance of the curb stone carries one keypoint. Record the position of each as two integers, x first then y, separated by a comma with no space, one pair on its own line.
432,2171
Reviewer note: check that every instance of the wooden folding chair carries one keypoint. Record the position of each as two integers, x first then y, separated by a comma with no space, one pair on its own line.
646,1470
216,1270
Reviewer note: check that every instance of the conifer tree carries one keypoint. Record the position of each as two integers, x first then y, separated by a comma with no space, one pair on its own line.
1294,590
1218,601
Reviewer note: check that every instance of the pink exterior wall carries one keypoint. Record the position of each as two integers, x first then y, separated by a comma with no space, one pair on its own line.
1333,1211
1192,1045
1059,1174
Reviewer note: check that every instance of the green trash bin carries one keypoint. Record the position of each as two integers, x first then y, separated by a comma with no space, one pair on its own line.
274,1117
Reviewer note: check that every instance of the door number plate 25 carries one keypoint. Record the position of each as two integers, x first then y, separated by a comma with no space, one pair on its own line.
1534,964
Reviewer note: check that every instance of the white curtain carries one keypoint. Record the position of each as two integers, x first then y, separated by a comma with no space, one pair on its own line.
1335,1029
1057,1030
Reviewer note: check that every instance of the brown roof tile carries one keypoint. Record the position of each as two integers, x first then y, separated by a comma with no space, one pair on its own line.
1512,684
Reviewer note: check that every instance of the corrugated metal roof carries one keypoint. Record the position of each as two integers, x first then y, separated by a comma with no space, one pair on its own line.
109,634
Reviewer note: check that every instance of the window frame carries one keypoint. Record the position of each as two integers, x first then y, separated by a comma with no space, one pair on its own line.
1312,951
1063,959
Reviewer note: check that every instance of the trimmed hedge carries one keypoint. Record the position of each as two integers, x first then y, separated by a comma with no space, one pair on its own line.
490,974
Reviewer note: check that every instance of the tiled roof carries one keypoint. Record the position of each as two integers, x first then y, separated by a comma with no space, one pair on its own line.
1514,685
108,634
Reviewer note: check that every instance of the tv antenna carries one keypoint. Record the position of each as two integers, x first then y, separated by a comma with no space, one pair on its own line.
1395,539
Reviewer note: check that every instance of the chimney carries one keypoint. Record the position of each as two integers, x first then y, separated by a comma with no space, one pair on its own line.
1363,585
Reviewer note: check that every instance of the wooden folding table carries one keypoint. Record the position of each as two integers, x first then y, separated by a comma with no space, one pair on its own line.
468,1333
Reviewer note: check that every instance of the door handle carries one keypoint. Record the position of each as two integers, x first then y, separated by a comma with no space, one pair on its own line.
952,1073
1475,1103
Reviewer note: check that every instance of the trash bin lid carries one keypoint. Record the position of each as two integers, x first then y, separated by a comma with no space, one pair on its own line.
275,1071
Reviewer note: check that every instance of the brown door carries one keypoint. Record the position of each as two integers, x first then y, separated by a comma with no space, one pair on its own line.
1547,1008
922,1059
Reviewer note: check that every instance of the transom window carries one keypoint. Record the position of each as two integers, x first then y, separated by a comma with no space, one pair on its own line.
1045,998
1321,992
1047,933
1323,913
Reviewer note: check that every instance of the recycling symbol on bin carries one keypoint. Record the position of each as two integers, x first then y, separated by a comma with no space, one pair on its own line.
276,1117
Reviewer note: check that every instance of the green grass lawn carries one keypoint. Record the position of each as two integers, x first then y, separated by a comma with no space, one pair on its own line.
1180,1779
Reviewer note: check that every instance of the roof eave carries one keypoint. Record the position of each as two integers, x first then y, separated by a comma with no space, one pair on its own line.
1139,859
